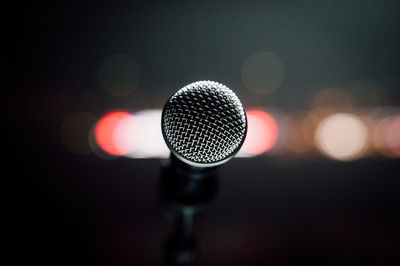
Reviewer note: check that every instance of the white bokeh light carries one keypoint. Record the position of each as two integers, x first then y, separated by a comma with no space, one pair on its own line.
263,72
149,140
342,136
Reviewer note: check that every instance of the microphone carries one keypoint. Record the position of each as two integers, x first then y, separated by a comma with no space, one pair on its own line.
204,124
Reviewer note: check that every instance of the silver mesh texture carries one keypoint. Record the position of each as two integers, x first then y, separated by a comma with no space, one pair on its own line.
204,122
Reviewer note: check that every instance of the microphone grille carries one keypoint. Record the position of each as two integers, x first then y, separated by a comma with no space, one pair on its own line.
204,123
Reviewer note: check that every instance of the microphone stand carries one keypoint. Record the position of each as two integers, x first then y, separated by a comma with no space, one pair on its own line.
185,191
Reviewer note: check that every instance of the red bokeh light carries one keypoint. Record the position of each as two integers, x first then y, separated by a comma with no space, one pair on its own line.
262,132
105,131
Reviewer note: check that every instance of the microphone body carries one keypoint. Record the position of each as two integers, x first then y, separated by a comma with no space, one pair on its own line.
204,124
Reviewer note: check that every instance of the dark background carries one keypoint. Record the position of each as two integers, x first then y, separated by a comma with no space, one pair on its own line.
67,209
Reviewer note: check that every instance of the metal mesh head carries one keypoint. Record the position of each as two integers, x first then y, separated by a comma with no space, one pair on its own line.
204,123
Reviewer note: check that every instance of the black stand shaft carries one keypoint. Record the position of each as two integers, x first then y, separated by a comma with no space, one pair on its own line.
184,193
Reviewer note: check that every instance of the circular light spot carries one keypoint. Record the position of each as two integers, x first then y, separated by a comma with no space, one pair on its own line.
74,132
379,139
119,75
393,136
109,133
295,139
311,122
125,134
386,136
262,72
148,136
342,136
262,133
99,152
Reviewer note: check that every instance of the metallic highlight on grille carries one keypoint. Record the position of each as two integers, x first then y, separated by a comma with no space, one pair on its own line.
204,123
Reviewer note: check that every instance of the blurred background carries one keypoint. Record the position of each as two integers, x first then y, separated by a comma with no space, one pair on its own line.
316,182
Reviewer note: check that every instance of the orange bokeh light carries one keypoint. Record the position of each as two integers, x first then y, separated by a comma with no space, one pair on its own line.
393,136
387,137
262,133
106,132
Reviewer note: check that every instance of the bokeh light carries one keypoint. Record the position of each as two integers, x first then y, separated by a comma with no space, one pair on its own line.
262,133
125,134
379,137
74,132
263,72
112,133
149,139
386,136
97,150
311,121
294,137
393,136
119,75
342,136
